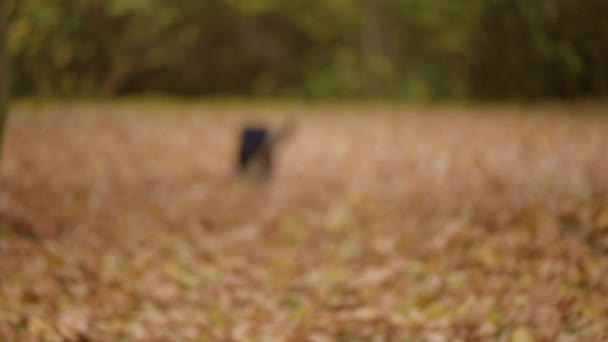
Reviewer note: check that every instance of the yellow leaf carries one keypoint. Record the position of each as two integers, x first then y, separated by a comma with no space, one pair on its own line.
37,327
486,255
494,316
180,275
602,219
522,334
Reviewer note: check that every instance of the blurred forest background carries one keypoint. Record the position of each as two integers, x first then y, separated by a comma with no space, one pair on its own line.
330,49
381,222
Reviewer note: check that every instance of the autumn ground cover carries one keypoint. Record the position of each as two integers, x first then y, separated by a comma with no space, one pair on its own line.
122,222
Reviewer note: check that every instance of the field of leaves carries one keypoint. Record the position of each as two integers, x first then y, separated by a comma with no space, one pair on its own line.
126,223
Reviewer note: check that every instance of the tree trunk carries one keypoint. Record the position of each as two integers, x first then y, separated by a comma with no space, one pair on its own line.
378,47
4,72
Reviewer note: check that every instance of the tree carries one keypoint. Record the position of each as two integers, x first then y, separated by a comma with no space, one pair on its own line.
3,73
540,49
378,46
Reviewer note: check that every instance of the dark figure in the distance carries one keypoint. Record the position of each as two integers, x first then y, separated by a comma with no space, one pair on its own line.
257,147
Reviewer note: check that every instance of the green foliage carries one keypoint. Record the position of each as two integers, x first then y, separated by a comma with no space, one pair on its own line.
3,74
400,49
542,49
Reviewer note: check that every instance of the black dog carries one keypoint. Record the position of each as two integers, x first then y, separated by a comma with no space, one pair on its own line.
256,150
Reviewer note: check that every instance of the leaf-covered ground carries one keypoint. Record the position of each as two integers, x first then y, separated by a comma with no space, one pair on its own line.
126,223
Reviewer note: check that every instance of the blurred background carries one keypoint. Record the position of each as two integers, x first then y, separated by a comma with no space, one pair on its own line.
387,217
332,49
